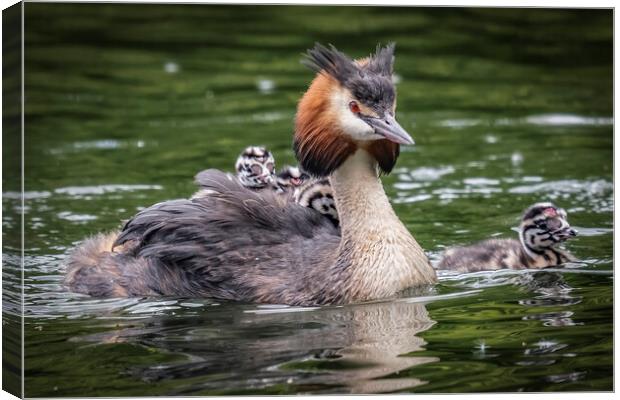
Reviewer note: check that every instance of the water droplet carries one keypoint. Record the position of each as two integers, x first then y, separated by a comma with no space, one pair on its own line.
171,67
265,86
491,139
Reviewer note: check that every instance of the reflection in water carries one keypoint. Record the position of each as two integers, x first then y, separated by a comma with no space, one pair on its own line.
550,290
571,377
349,347
380,335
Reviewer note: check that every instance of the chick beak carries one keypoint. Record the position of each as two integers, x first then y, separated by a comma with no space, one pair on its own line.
266,178
389,128
566,233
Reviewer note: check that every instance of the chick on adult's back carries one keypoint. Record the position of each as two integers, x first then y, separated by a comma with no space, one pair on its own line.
255,168
241,244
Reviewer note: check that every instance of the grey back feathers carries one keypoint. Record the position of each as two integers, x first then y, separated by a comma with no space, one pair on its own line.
235,244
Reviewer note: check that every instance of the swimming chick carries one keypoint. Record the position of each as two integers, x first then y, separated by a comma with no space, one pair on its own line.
257,246
543,228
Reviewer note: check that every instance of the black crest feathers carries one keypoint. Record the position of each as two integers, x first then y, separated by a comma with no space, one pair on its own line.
330,61
382,62
339,66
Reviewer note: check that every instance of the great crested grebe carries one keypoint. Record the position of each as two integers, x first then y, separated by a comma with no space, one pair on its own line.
255,168
543,227
256,246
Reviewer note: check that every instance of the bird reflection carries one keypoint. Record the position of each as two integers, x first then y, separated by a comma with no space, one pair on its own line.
551,290
241,349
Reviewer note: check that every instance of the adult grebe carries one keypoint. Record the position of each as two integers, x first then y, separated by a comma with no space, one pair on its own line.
543,227
240,244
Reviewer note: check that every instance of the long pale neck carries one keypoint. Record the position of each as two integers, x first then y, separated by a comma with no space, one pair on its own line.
383,256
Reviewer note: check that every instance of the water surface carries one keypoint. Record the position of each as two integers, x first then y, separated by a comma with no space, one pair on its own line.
125,103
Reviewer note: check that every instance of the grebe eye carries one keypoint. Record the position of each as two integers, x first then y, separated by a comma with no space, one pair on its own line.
270,167
256,169
354,107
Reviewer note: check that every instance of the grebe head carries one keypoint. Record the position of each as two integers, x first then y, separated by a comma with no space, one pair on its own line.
291,176
255,167
544,225
351,104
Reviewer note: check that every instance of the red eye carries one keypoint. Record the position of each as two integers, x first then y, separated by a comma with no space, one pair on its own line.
354,107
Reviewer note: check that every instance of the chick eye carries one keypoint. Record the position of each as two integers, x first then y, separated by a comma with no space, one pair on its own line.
256,169
554,224
354,107
270,167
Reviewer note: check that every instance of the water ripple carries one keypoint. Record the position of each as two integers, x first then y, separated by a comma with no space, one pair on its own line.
79,191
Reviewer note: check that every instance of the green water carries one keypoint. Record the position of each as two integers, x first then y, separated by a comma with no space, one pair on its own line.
125,103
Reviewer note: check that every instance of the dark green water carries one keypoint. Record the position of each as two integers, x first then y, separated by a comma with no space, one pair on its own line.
125,103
